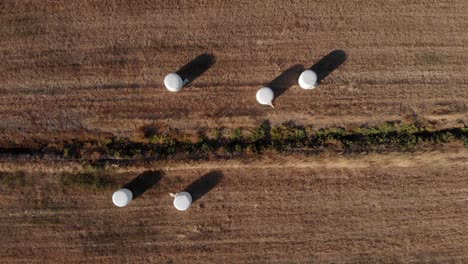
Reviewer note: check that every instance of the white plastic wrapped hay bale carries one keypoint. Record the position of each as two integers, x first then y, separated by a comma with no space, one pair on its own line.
182,200
265,96
174,82
122,197
308,80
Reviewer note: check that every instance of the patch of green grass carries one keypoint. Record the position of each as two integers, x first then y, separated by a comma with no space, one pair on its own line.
288,135
161,139
217,133
237,134
262,132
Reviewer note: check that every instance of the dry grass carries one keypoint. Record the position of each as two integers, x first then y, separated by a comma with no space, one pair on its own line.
79,70
93,70
383,208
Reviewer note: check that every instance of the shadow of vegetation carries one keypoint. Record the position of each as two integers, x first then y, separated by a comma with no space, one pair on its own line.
196,67
328,64
204,184
286,79
143,182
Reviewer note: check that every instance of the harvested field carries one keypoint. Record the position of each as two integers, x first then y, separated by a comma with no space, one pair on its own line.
91,69
370,208
75,72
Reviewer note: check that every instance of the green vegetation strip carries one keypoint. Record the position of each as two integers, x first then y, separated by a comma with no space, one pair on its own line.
286,137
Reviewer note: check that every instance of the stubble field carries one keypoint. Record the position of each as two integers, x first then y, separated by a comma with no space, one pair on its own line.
93,70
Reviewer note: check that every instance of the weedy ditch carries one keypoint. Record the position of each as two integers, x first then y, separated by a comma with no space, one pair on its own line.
286,137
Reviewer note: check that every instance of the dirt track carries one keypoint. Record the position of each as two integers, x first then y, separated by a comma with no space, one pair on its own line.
74,69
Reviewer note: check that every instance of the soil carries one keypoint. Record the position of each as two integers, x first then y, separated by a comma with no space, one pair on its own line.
95,69
395,207
92,69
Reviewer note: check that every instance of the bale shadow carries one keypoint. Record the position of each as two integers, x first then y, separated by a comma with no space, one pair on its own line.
328,64
143,182
204,184
196,67
286,79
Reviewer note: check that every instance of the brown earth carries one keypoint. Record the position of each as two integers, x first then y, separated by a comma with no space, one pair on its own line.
392,208
93,69
84,68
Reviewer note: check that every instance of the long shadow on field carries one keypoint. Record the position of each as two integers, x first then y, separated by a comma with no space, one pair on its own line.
328,64
143,182
285,80
204,184
196,67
